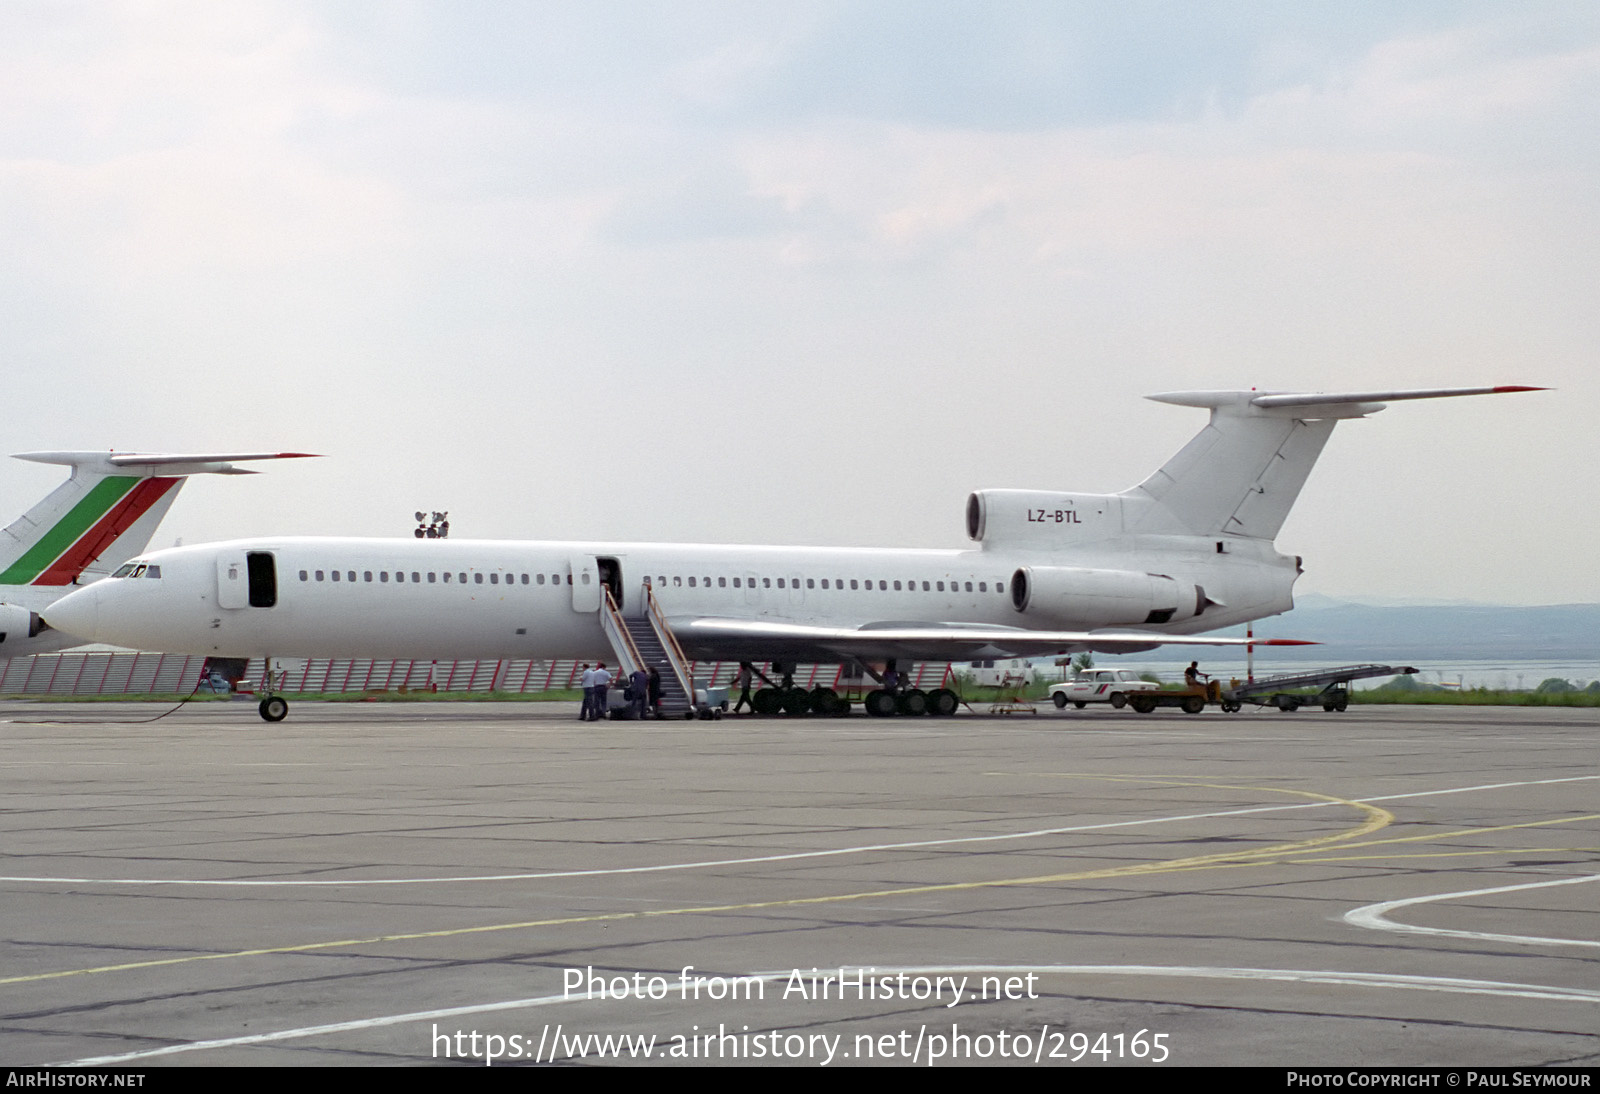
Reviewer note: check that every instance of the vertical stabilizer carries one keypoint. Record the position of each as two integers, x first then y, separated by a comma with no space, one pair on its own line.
1241,474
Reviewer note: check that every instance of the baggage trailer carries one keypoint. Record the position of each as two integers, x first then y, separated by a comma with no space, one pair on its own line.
1279,691
1276,691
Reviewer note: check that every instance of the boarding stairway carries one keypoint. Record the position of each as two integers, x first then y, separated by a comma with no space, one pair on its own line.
648,641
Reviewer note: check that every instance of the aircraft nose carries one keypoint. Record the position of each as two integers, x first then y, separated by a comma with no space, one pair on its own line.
78,614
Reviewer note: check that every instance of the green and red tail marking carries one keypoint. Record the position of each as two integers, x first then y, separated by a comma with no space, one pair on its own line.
110,508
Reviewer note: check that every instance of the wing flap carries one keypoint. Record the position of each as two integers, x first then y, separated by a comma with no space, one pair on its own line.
741,639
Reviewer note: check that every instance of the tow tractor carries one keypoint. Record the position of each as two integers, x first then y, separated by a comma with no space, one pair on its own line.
1284,692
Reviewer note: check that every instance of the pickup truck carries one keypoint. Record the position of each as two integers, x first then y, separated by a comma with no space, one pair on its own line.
1099,686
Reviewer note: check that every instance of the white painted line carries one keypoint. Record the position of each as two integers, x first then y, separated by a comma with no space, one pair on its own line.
1449,985
709,864
1373,916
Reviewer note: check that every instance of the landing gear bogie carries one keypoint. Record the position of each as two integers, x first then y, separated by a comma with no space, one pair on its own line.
274,708
912,703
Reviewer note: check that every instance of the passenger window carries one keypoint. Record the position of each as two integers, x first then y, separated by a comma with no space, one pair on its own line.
940,585
336,575
824,583
383,576
969,586
780,583
983,587
766,583
366,575
319,575
677,581
896,586
477,579
706,581
722,582
924,586
433,578
447,577
541,578
810,584
852,583
399,575
494,579
691,583
525,579
883,586
736,584
125,569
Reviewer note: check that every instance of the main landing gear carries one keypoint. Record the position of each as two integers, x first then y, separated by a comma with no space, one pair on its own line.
913,702
884,702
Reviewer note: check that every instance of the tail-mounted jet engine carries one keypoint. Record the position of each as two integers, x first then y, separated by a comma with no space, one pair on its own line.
1074,597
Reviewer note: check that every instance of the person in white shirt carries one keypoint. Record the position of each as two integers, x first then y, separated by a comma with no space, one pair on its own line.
602,684
587,680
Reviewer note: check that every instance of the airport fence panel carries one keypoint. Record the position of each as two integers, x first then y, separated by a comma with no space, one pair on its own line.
108,673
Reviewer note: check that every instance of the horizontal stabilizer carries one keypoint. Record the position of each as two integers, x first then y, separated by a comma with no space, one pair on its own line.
1343,404
153,463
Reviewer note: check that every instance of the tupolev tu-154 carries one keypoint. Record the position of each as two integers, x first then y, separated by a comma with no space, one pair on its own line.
1188,550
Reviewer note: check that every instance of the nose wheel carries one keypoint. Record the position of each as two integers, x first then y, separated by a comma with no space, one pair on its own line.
274,708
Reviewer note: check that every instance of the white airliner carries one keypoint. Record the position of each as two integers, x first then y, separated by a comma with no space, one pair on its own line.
1188,550
103,515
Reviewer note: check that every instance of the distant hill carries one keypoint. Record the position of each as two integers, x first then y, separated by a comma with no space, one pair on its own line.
1353,632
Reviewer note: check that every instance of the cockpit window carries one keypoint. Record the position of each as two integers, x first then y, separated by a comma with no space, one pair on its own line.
124,570
152,571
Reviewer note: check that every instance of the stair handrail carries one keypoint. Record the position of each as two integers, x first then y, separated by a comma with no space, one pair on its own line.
669,642
617,632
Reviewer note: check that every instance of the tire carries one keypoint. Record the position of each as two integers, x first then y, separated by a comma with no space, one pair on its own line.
880,703
1080,704
1118,700
1232,706
797,702
1061,701
913,703
942,702
1288,704
274,708
824,701
1143,704
1193,704
767,701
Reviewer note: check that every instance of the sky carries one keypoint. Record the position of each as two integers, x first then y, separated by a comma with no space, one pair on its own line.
810,273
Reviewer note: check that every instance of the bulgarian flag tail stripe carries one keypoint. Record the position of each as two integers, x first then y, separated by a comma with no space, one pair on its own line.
108,510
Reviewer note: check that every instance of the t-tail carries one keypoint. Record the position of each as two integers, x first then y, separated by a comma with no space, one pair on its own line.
104,514
1241,474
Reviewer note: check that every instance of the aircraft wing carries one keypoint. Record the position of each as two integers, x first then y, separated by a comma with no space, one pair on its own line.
739,639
